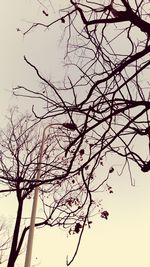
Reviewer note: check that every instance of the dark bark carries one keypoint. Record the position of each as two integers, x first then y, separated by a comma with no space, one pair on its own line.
14,252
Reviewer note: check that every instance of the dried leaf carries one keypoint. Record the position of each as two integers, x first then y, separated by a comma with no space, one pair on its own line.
44,12
81,152
104,214
70,126
62,20
111,170
77,227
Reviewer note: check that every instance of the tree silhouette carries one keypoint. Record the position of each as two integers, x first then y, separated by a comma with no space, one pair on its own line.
65,198
105,92
107,46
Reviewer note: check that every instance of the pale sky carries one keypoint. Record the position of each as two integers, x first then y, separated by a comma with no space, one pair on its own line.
124,239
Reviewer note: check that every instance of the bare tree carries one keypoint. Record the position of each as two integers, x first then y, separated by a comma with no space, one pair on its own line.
18,155
107,48
66,191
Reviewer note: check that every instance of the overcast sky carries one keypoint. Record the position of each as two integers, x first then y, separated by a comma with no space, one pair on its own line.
122,240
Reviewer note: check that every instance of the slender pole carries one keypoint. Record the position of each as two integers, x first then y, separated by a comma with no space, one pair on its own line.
72,127
34,206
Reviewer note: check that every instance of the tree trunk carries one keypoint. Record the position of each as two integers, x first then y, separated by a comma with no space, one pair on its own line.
13,252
